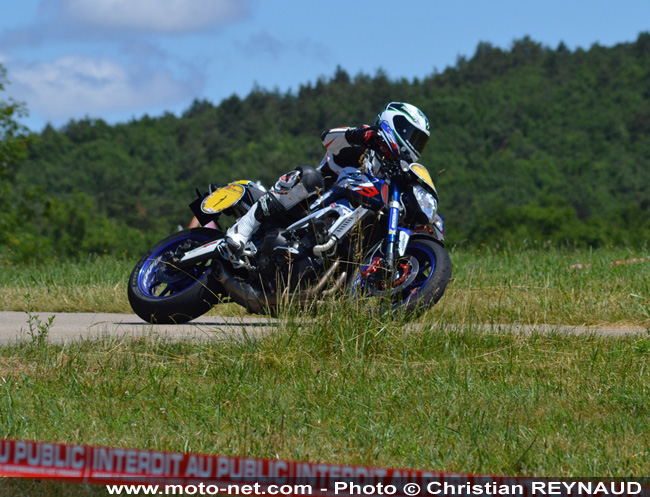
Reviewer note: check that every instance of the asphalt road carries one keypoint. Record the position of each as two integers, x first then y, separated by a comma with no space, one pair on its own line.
66,327
71,326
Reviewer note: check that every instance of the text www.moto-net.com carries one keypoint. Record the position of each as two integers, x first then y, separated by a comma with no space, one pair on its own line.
202,489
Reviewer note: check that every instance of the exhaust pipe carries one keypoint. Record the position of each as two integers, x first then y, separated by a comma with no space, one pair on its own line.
320,250
241,291
254,299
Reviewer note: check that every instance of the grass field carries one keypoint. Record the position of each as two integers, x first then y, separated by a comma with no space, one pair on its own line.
346,390
352,388
508,286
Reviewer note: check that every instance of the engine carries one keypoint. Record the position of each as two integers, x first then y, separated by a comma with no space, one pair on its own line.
287,256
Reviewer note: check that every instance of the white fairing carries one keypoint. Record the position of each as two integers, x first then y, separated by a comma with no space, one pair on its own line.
202,250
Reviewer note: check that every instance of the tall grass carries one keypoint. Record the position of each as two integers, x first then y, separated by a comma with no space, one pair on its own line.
93,284
511,285
348,387
541,286
338,383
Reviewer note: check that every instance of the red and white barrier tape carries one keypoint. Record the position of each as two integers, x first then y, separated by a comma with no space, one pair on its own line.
103,465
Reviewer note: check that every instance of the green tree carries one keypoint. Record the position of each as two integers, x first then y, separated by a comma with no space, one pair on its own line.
13,147
35,225
12,134
537,143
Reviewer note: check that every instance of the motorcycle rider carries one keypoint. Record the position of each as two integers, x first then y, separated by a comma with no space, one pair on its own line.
344,146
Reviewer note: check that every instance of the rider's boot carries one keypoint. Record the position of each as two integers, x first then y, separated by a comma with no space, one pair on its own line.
240,233
291,189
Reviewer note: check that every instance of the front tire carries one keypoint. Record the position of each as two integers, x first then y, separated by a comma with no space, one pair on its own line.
160,293
418,282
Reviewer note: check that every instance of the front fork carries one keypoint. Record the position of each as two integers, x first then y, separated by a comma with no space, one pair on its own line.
393,219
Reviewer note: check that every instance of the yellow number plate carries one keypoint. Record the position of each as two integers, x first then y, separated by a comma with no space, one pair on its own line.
422,173
221,199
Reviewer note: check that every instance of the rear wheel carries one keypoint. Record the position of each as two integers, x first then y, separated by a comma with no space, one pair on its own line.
418,281
161,293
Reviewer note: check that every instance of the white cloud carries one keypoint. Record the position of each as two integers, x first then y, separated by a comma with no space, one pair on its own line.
139,75
162,16
263,43
75,86
92,21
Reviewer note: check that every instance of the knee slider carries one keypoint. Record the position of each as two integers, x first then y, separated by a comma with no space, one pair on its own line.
312,180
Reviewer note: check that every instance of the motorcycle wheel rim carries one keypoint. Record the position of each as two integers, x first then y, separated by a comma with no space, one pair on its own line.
427,261
155,270
427,265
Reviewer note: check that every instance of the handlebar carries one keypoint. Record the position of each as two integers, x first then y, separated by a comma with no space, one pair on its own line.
394,168
390,167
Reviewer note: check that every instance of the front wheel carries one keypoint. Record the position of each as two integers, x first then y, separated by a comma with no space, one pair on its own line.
418,281
161,293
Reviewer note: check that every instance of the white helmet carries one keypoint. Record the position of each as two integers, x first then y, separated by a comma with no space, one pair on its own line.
410,125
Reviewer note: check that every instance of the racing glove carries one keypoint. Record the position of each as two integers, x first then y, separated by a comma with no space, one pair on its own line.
369,137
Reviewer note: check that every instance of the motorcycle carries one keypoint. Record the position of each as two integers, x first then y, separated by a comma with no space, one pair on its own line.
367,235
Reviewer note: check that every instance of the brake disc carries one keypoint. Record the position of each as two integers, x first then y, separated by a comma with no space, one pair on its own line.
382,283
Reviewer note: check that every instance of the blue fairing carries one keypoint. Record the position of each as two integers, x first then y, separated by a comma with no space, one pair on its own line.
353,188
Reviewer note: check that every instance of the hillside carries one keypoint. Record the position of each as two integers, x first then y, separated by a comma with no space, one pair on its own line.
531,143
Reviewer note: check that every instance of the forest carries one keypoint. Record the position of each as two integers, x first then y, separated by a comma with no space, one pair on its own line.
530,145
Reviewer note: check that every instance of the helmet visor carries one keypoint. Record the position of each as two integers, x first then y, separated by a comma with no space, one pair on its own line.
414,137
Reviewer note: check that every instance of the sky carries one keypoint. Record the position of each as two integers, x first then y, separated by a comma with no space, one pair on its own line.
118,60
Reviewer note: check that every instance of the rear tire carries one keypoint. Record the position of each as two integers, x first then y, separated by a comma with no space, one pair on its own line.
161,294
